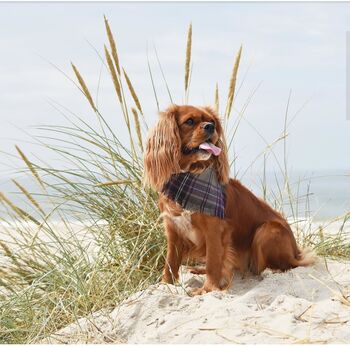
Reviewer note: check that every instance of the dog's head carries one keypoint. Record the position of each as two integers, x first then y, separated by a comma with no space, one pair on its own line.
186,138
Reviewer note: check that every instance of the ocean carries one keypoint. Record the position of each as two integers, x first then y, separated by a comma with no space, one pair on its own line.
320,195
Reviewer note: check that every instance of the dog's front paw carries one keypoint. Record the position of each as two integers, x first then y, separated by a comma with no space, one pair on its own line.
204,290
197,270
169,279
198,291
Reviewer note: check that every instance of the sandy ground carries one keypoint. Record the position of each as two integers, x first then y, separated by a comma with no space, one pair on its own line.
304,305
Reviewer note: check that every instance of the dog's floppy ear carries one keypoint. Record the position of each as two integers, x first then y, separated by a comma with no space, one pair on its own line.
221,162
163,150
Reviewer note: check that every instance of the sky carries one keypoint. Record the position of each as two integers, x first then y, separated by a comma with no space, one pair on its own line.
289,49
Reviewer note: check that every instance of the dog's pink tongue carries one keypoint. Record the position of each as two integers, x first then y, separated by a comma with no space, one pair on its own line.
211,148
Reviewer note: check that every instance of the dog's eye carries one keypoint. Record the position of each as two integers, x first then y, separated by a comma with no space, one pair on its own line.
190,121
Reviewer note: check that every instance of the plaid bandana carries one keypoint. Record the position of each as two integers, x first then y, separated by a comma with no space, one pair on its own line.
198,193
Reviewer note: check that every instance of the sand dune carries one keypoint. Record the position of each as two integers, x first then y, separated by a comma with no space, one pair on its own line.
304,305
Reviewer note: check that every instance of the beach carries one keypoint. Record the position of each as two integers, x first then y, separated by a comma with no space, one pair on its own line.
303,305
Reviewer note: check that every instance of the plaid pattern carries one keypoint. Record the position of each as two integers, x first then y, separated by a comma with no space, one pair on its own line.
199,193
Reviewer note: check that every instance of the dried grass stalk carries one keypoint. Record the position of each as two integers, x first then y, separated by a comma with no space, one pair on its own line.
188,56
232,87
216,101
8,253
113,74
137,127
30,166
84,87
18,210
29,196
112,45
132,92
111,183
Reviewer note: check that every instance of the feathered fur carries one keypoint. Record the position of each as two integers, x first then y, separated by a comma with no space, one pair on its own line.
252,236
163,150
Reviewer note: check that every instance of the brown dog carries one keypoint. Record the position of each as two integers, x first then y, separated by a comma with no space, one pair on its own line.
227,225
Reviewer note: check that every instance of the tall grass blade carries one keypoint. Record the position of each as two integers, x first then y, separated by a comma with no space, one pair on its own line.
163,75
112,45
20,212
216,99
232,85
152,81
113,75
84,87
116,182
188,58
132,92
30,166
29,196
137,128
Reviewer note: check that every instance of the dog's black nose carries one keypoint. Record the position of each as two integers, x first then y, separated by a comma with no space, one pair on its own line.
209,127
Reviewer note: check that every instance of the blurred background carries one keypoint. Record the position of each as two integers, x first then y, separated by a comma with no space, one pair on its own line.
293,69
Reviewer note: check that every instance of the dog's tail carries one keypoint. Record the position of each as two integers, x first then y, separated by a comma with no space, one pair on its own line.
306,257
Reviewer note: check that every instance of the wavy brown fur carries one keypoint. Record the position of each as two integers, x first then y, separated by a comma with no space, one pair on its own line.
251,237
163,150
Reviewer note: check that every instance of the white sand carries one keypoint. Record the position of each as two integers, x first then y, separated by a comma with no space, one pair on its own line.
304,305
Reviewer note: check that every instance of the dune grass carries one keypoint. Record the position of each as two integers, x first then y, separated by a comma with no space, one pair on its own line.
91,234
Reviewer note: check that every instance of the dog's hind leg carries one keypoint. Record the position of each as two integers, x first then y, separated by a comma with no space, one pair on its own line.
274,247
